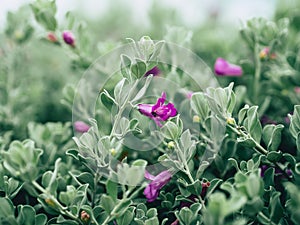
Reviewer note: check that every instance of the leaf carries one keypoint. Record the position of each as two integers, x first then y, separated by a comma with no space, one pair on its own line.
242,114
151,213
213,185
6,207
295,121
170,130
275,207
41,219
143,90
272,136
120,91
152,221
185,216
139,68
125,66
187,145
252,124
274,156
269,177
107,203
200,106
112,189
26,215
126,218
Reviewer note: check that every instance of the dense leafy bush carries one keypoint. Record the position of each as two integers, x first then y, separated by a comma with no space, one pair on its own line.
147,133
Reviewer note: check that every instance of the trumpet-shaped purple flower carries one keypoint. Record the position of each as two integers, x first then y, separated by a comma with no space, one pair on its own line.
159,111
157,182
69,38
223,68
155,71
81,126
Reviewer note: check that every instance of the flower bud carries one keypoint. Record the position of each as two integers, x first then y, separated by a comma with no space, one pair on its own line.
52,37
171,145
189,94
230,121
69,38
19,35
113,151
265,54
84,216
196,119
50,202
205,186
81,126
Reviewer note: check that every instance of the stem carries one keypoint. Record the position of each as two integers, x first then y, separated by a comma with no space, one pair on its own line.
256,87
126,196
96,180
62,209
188,172
121,110
258,148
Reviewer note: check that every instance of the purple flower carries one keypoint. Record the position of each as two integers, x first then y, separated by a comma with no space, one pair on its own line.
69,38
159,111
297,90
189,94
81,126
155,71
278,172
266,120
223,68
157,182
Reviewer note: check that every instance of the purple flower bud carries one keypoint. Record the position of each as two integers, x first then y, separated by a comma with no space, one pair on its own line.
69,38
223,68
157,182
155,71
205,186
159,111
81,126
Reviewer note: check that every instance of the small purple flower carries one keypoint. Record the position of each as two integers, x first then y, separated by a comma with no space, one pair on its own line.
189,94
155,71
69,38
157,182
81,126
278,172
159,111
223,68
297,90
266,120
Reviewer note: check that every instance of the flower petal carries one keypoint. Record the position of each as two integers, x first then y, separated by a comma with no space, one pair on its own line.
223,68
145,109
148,175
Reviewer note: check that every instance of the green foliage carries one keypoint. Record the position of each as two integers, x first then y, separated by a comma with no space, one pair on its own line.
21,160
229,156
25,214
44,12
